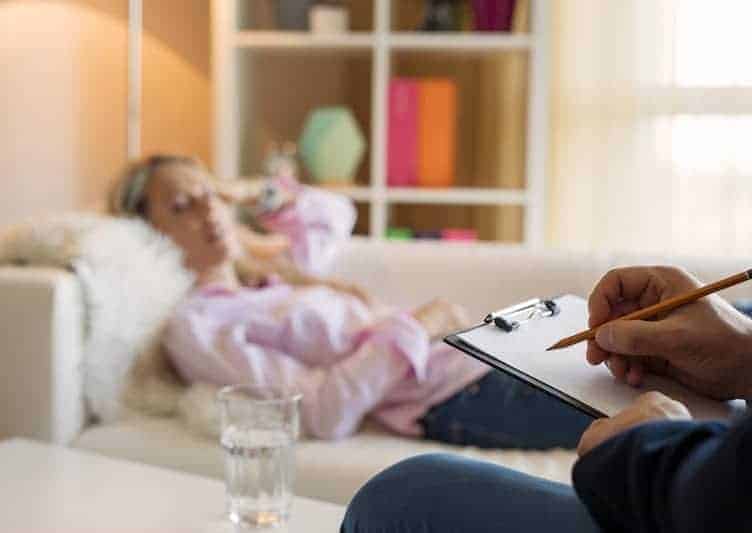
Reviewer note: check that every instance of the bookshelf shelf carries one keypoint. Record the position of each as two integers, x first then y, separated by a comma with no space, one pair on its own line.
358,194
396,41
459,42
448,196
265,82
456,196
302,40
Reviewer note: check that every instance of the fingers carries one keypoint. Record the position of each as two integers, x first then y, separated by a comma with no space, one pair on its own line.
626,369
591,437
656,405
635,373
638,337
618,286
623,369
603,429
227,197
646,407
619,292
595,354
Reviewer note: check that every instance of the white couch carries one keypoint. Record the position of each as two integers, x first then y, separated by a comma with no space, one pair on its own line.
41,392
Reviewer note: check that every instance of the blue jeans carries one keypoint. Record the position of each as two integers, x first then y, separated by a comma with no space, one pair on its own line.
499,411
447,493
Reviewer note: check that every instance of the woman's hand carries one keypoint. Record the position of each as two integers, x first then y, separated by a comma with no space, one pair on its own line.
262,247
648,407
260,196
239,192
440,318
349,288
706,345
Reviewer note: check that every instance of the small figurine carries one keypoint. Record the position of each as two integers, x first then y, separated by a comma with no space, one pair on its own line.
281,161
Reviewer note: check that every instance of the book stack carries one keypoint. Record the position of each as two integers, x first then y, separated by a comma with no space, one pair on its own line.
422,132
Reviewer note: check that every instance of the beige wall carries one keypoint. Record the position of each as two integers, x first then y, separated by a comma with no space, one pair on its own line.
177,85
63,93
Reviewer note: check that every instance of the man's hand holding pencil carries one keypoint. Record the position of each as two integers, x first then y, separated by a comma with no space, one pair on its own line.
705,344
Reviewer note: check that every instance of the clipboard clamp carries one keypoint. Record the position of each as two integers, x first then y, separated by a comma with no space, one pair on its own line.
510,318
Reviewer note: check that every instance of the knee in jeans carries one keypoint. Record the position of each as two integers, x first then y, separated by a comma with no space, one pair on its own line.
381,500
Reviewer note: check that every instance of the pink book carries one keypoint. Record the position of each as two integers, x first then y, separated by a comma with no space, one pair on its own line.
459,234
402,144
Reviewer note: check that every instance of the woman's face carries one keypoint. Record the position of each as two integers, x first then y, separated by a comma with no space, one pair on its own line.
183,204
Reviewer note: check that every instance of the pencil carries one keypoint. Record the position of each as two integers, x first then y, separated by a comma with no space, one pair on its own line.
661,307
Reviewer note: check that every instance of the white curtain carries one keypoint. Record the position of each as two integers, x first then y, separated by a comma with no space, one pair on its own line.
652,126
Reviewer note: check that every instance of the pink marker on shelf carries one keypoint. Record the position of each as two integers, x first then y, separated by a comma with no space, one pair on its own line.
402,144
459,234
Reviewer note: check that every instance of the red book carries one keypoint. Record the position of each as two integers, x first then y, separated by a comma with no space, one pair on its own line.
402,144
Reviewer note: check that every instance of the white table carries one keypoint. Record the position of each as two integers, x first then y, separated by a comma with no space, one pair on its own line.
46,488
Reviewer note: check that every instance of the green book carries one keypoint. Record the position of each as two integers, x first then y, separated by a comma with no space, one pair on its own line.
399,234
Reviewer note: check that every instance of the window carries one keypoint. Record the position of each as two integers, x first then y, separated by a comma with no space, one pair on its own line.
711,137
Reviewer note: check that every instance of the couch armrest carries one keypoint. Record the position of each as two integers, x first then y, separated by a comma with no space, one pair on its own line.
41,379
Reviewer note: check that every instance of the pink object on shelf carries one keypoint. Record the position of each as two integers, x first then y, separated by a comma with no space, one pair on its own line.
402,147
458,234
493,15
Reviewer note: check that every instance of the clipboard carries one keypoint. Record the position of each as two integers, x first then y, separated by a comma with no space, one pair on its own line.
514,340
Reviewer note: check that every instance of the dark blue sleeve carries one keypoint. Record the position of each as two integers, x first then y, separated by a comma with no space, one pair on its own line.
671,477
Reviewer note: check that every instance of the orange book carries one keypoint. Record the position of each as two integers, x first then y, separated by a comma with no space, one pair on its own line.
437,132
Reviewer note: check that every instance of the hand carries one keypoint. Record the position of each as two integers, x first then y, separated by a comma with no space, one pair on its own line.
352,290
260,196
440,318
263,247
239,192
706,345
646,408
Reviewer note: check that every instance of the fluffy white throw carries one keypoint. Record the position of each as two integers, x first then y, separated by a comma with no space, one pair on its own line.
130,277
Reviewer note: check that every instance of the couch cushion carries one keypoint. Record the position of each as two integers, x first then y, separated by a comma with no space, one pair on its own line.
330,471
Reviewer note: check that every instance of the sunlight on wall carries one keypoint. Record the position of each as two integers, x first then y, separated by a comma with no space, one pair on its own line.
62,99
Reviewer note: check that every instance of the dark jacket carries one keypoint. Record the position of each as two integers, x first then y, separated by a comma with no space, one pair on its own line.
678,477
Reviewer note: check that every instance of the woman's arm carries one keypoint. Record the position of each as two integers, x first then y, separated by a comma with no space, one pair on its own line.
317,223
312,226
254,270
670,477
335,398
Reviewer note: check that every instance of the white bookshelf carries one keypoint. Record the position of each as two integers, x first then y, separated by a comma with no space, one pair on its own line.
232,45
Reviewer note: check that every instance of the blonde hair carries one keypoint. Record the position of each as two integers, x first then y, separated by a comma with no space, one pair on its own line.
128,196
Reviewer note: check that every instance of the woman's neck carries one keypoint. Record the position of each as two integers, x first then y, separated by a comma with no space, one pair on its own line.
223,274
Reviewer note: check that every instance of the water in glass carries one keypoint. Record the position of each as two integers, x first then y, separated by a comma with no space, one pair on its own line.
259,472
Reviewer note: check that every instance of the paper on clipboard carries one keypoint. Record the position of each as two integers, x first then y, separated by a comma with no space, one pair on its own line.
566,370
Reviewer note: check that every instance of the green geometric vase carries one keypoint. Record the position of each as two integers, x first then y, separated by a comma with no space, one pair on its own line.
332,145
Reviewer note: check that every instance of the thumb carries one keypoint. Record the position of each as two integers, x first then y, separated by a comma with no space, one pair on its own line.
634,337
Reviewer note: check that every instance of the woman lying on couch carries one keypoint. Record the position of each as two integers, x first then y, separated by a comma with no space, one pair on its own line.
320,337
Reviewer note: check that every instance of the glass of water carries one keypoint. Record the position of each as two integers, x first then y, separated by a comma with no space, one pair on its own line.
259,431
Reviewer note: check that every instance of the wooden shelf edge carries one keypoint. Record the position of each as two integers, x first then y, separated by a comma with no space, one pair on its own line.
456,196
302,39
460,41
264,39
447,196
354,192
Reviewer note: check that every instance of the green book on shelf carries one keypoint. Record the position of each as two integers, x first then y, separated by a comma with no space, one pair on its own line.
399,234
